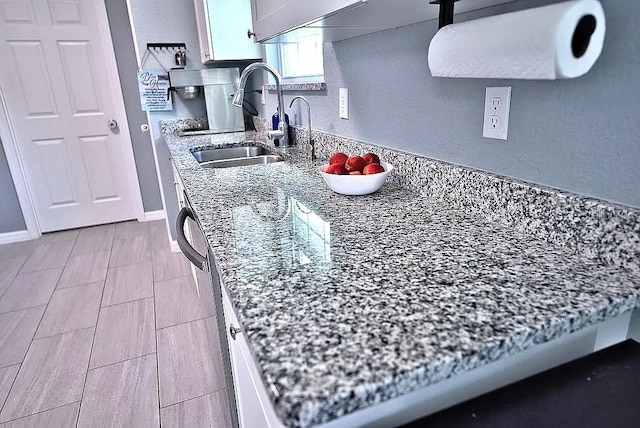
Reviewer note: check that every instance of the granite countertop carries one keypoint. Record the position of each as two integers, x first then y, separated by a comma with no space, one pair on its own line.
347,301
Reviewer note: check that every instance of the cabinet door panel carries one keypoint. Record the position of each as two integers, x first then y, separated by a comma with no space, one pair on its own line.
229,22
305,11
271,17
202,26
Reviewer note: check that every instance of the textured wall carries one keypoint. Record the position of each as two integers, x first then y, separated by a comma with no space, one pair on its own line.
11,219
165,21
580,135
127,69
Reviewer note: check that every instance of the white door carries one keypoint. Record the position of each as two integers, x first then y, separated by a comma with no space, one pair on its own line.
60,86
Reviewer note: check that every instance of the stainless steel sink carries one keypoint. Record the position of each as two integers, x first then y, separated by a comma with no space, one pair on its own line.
235,156
254,160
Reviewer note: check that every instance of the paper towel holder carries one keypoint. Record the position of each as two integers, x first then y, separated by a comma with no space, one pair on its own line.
446,12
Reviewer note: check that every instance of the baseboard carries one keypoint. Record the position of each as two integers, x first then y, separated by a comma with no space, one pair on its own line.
17,236
154,215
174,246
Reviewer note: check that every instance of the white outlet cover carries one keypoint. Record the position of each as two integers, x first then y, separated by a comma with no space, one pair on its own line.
497,102
343,103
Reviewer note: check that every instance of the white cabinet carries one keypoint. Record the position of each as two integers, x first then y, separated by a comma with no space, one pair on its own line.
270,17
222,30
254,406
281,21
305,11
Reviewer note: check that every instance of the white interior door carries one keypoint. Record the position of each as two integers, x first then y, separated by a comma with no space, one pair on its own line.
61,88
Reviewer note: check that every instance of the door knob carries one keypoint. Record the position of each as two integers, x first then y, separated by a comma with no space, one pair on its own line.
111,123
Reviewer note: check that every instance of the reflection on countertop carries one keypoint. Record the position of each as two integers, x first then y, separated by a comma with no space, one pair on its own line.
350,301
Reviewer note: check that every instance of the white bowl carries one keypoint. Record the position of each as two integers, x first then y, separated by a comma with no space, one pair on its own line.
356,184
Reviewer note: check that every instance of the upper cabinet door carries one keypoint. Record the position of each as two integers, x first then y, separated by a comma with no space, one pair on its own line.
271,17
305,11
202,25
229,22
222,30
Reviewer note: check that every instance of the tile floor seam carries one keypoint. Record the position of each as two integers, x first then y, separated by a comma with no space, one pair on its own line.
194,398
33,339
11,387
63,266
9,365
130,301
93,341
37,413
81,285
76,243
186,322
155,322
60,334
17,271
24,309
122,361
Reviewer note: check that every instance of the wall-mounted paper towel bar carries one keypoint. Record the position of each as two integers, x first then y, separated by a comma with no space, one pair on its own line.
446,11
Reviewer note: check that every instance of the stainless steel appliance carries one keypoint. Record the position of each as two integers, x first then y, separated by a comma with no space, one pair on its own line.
219,85
209,288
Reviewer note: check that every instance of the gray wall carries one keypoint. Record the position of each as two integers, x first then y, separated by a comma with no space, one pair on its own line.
164,21
580,135
11,219
127,69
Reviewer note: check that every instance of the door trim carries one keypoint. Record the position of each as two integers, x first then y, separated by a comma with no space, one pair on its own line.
16,167
105,30
11,237
17,171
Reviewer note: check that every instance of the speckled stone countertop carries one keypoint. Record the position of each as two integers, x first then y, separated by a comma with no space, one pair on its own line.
348,301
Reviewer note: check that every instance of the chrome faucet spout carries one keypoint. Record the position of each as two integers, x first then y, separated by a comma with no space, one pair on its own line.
310,140
283,128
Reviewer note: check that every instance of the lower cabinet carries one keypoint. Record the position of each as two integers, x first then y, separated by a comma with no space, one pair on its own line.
254,405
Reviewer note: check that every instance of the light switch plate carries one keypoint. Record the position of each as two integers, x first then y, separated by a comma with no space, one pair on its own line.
343,103
497,103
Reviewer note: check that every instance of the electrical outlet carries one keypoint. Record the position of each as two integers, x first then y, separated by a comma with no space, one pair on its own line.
496,103
496,113
263,95
343,103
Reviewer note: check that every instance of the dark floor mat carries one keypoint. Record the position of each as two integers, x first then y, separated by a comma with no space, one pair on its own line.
601,390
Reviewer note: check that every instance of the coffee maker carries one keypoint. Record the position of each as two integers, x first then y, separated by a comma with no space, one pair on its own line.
219,86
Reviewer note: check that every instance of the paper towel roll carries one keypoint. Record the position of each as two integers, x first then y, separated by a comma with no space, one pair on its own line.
559,41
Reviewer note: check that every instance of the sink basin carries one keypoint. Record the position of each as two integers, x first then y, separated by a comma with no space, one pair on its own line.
207,155
254,160
234,156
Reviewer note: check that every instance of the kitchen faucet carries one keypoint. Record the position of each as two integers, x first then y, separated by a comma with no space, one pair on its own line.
300,97
283,129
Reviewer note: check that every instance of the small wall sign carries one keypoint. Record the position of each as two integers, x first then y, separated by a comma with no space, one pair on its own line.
154,91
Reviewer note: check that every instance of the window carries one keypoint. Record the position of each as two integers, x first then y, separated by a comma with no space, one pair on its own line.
298,62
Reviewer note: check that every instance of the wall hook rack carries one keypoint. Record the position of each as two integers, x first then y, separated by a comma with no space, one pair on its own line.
446,12
171,47
161,47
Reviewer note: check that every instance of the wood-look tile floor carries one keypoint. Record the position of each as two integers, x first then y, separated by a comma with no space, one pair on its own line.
92,335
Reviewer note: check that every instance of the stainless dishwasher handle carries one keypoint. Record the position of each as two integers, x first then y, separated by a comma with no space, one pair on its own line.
233,331
190,253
